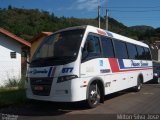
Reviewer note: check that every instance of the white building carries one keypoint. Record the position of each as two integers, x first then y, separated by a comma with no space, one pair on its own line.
10,56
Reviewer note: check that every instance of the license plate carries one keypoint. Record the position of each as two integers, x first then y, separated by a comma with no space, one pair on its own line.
39,88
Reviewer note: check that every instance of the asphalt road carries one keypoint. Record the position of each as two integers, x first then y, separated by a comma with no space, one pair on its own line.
143,103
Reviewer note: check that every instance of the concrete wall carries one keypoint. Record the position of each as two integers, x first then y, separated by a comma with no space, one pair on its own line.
10,68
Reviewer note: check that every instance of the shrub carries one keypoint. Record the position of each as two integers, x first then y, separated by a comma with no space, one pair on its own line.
15,83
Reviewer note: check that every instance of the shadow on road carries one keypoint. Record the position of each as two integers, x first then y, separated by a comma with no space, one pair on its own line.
116,94
41,108
37,108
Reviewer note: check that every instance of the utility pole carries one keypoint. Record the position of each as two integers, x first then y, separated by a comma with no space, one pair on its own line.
106,19
107,16
99,17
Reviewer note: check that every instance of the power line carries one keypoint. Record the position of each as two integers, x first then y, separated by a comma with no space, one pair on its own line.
140,20
145,10
139,17
140,7
134,11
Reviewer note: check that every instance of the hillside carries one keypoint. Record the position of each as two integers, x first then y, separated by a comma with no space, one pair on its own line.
142,28
148,33
27,23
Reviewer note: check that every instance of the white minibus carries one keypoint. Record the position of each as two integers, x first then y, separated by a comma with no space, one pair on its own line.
85,63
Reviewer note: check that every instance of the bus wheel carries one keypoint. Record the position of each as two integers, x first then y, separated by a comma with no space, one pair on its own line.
93,96
139,85
158,80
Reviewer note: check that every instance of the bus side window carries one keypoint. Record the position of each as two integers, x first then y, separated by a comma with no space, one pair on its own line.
107,46
147,54
120,49
91,48
141,53
132,51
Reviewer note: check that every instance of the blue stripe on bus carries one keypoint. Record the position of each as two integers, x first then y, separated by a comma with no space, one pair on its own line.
50,71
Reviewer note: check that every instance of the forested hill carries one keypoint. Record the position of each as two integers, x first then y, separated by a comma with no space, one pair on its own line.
27,23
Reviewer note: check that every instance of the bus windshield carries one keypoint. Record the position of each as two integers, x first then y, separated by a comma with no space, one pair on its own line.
60,45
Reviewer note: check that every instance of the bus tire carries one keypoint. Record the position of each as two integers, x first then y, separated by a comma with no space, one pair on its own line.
93,96
158,80
139,85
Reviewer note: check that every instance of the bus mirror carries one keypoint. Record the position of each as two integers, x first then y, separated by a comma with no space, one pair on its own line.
28,62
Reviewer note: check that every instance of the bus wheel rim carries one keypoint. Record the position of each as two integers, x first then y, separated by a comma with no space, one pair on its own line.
139,86
158,81
94,96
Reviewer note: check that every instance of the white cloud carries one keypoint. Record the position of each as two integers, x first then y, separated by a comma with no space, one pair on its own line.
79,1
84,5
88,5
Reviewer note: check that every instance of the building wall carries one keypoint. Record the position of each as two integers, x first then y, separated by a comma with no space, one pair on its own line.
155,49
155,54
10,68
35,44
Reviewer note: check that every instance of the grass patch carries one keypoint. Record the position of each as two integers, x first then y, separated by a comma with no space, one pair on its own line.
19,83
12,96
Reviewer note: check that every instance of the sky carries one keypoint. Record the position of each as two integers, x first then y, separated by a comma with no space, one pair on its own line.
128,12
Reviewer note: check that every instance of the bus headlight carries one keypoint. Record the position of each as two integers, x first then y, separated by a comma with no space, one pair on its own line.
66,78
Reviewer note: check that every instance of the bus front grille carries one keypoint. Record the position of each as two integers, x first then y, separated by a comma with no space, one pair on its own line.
41,86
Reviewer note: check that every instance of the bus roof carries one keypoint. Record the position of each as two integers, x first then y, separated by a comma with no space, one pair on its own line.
110,34
114,35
